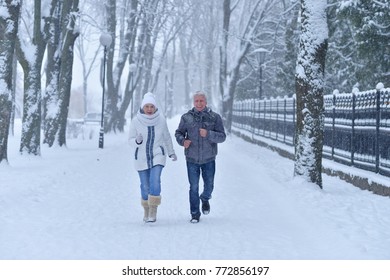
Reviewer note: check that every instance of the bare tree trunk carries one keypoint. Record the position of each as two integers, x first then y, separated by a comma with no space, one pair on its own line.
50,98
228,88
8,32
227,103
113,73
169,93
116,103
309,91
223,88
131,83
147,46
59,71
69,18
13,94
83,50
31,128
210,48
185,52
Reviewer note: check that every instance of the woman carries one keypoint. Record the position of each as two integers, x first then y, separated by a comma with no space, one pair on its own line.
150,135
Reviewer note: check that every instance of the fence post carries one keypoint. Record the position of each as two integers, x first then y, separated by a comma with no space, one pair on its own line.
334,120
253,118
354,91
379,87
277,118
264,115
294,124
285,120
270,118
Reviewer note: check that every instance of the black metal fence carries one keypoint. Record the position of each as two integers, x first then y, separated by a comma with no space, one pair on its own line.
356,132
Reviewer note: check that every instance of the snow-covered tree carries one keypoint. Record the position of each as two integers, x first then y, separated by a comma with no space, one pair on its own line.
30,49
131,45
358,44
61,38
116,67
371,23
85,49
9,16
133,74
141,41
236,42
286,65
309,90
341,61
198,49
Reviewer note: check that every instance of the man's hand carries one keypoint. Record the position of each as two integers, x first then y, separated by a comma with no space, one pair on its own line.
203,132
186,143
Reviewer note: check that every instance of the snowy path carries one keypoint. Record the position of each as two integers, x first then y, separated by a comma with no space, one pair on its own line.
84,203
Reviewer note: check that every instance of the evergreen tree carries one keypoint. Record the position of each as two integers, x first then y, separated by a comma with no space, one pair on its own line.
286,74
341,61
371,20
359,44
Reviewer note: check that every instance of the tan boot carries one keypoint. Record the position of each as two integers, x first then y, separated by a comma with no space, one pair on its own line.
154,201
145,205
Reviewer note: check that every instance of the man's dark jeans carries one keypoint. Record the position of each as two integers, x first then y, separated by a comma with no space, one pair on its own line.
194,170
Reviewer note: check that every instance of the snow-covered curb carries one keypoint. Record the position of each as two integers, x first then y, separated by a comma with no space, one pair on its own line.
362,179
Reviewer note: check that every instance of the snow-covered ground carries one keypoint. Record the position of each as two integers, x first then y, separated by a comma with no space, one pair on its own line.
83,203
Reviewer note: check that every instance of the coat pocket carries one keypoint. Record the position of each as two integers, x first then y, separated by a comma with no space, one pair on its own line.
162,150
136,153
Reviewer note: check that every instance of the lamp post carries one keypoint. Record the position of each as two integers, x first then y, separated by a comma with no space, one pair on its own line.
105,39
260,55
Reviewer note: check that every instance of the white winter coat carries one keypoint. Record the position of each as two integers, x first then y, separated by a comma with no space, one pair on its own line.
156,143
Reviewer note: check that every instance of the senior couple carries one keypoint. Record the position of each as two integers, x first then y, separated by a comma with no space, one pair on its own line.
199,132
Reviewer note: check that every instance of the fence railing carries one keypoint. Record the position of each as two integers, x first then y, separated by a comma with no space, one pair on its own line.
356,130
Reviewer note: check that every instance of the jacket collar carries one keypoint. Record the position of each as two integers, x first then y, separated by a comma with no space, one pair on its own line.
205,110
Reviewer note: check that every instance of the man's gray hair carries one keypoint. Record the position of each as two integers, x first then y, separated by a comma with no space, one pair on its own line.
200,93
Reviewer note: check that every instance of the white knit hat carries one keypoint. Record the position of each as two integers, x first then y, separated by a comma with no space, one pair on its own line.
149,99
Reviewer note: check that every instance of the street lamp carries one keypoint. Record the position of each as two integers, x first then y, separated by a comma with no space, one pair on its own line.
105,39
261,53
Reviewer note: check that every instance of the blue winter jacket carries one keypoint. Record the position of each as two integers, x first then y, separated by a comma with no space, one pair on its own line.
202,149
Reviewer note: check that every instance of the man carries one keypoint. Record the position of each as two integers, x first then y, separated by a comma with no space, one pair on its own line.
199,131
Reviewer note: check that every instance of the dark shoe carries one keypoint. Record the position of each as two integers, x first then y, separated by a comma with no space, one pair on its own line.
195,219
205,207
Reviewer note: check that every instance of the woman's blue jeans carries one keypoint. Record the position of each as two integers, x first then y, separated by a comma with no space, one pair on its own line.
193,171
150,181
